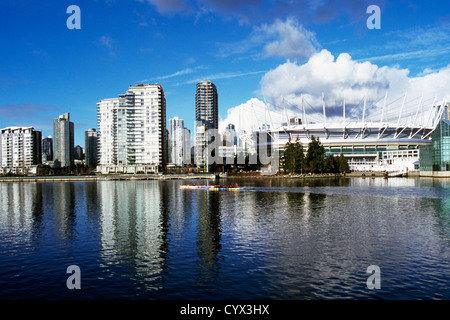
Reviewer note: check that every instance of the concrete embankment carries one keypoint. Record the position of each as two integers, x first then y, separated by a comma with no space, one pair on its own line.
107,178
253,175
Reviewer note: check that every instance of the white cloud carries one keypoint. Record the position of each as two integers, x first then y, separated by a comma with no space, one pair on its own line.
340,78
107,42
286,39
250,115
182,72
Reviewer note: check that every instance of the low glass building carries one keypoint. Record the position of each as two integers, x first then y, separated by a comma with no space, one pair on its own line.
436,157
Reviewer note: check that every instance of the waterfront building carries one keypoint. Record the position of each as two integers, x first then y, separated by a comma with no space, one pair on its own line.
47,149
436,157
179,143
91,150
63,144
20,149
78,153
388,140
232,146
206,122
132,131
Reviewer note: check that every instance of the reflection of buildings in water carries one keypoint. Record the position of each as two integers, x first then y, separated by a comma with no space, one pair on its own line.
64,209
181,207
133,224
91,203
382,182
442,214
208,234
302,238
17,204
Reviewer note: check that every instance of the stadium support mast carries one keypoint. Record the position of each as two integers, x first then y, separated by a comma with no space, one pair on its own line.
364,110
382,111
304,111
401,111
431,112
324,114
417,111
343,115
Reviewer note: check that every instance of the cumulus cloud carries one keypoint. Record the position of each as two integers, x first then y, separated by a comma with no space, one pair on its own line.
283,38
291,85
288,39
248,116
337,78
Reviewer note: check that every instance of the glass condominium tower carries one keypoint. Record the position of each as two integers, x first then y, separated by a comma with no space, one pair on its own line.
63,141
206,118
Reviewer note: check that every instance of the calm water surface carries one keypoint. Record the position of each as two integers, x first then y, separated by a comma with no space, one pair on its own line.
277,239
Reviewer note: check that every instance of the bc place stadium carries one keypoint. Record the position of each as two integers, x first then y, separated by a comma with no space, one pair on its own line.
388,140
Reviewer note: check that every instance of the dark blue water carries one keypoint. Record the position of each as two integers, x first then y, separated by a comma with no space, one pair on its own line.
277,239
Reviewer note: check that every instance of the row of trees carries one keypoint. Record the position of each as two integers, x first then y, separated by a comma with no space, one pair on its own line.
315,160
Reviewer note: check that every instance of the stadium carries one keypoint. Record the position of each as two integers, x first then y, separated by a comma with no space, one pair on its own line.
385,137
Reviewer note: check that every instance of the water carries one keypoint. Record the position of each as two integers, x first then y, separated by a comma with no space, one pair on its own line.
277,239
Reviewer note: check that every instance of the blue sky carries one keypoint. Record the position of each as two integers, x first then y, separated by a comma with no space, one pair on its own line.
47,70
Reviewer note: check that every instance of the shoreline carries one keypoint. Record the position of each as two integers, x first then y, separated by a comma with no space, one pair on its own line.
131,177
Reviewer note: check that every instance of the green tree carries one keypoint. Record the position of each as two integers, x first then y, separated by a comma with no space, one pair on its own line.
332,164
343,164
315,157
293,159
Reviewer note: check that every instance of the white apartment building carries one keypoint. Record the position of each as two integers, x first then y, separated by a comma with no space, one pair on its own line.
20,149
132,131
179,143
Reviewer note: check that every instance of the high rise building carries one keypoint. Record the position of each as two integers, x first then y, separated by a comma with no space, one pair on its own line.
20,148
63,144
90,147
78,153
132,130
206,121
47,149
179,143
232,146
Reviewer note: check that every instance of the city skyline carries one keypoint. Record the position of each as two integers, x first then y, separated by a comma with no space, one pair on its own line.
252,50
